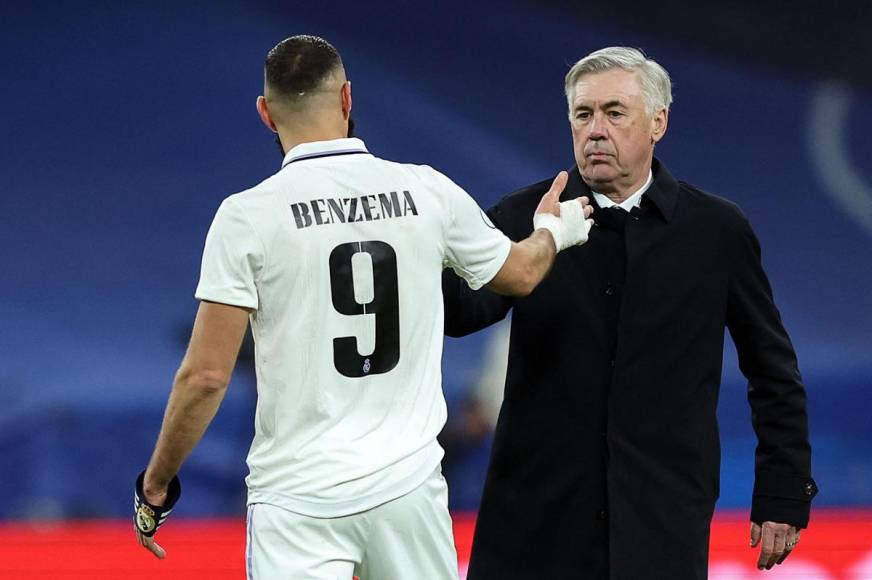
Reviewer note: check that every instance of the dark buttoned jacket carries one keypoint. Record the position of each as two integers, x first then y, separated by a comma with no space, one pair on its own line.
606,455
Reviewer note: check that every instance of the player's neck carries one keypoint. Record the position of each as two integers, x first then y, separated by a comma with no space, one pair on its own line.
292,138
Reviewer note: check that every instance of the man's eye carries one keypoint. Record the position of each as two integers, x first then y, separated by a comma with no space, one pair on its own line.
615,114
582,115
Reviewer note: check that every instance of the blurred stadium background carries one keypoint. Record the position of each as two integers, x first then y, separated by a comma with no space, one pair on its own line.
125,124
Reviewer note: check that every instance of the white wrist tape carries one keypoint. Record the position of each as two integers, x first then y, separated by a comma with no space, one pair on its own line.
569,229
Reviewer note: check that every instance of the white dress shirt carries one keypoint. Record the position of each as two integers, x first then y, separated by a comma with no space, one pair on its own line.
634,200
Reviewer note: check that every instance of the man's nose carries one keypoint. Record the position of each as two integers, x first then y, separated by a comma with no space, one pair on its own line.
597,128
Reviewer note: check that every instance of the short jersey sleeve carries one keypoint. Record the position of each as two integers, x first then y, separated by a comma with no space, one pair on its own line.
474,248
232,259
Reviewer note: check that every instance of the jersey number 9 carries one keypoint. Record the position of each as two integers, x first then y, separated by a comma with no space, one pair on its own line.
384,304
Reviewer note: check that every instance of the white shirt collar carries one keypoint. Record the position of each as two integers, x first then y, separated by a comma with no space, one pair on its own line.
314,149
634,200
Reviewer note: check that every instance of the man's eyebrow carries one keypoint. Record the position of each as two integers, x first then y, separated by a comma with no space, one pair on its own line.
607,105
614,103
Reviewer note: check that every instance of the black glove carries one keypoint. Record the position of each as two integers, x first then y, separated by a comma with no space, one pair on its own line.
148,518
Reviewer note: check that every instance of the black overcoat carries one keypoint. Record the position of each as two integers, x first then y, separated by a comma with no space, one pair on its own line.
606,456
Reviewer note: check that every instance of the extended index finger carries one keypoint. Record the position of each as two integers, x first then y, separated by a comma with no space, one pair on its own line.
152,546
155,548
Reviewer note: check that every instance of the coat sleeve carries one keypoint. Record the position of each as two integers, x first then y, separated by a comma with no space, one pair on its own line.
783,486
467,310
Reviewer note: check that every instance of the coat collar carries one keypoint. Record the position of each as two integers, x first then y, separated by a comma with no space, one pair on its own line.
663,193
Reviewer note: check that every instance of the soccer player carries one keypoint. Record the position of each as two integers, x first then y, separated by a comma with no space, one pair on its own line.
336,262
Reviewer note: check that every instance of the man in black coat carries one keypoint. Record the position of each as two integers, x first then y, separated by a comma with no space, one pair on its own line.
606,456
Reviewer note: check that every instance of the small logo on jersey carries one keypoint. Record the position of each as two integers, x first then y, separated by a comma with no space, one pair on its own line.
366,366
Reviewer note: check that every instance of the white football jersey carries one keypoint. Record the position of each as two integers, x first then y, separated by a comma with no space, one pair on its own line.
340,257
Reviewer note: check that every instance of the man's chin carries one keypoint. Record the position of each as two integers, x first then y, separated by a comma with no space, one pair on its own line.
598,177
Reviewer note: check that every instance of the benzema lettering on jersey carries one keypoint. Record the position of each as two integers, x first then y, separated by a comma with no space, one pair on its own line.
353,209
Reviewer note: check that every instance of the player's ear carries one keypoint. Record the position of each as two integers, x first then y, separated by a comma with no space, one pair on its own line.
660,121
263,111
345,93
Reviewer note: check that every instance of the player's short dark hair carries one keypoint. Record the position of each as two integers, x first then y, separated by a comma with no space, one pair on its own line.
299,64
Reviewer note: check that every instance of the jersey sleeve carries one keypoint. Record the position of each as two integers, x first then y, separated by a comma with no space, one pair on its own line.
232,259
474,248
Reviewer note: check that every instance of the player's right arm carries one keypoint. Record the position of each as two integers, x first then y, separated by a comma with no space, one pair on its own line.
233,258
198,390
528,263
482,255
557,227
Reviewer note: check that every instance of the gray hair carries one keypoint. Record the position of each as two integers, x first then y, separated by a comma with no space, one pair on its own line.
653,78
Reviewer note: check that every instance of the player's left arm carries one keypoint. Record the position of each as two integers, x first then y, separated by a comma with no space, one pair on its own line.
198,389
783,486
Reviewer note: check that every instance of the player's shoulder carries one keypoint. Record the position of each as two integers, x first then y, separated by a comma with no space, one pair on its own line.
257,194
256,205
438,185
421,172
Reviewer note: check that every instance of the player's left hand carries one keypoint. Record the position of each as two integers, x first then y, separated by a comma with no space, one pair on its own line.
151,509
150,545
777,542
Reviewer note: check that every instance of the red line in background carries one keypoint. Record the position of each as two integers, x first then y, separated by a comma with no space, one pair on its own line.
837,546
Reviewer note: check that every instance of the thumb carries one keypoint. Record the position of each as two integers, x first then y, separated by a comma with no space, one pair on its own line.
550,202
558,185
756,533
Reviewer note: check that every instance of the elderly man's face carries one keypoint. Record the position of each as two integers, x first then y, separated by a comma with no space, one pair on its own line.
612,134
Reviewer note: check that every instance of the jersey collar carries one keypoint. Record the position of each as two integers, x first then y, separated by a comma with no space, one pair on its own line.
316,149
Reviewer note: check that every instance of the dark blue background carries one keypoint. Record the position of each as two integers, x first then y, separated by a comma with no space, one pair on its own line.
123,127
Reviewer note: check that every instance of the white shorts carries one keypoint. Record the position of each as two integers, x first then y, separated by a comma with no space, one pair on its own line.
406,538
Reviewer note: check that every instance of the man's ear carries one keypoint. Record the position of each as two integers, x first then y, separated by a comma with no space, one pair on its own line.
660,122
345,93
263,111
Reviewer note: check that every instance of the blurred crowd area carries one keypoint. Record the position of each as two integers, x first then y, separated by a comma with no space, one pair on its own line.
125,125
